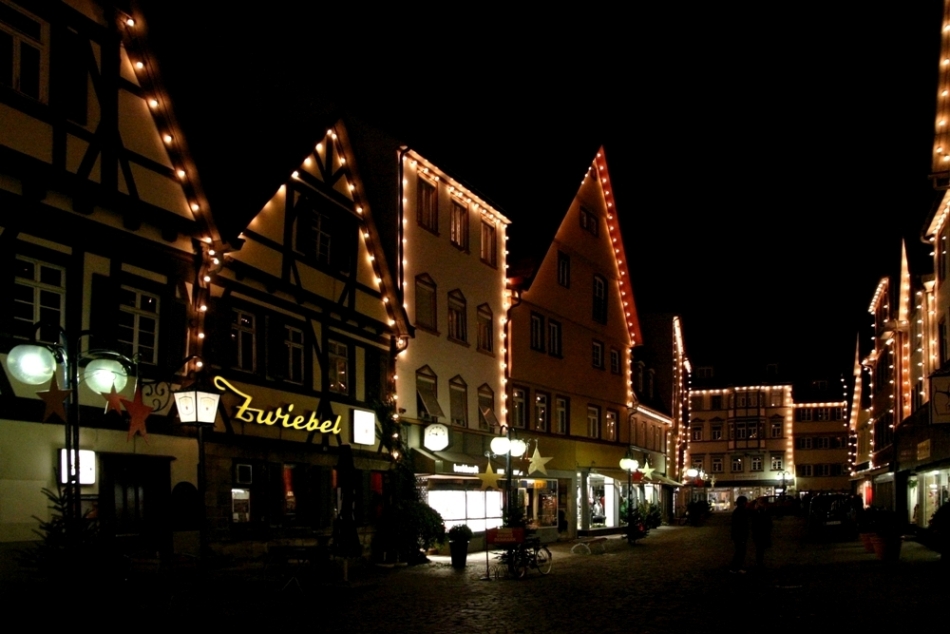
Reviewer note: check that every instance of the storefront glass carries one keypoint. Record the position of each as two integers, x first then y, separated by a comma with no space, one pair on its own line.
458,503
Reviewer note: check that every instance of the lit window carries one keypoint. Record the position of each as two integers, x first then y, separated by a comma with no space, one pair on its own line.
776,462
610,433
39,295
593,421
459,226
339,362
519,398
736,464
541,411
716,432
775,428
755,463
137,331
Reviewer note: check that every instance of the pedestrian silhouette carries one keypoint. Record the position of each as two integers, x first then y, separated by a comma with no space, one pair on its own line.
740,534
761,531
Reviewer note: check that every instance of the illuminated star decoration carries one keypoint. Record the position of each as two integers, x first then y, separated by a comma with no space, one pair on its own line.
138,412
537,462
113,401
489,479
647,471
54,399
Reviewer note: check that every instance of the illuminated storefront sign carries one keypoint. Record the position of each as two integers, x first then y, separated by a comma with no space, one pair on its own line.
464,468
273,416
364,427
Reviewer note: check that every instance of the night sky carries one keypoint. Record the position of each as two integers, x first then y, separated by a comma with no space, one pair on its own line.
767,161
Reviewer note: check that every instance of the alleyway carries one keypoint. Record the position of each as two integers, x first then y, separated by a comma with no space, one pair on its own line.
676,580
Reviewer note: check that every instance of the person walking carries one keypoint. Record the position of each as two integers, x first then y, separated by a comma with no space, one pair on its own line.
740,534
761,523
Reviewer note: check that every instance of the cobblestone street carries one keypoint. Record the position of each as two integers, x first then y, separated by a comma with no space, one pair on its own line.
675,580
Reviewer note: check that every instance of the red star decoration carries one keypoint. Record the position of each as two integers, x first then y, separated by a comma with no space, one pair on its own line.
113,401
54,399
138,412
637,477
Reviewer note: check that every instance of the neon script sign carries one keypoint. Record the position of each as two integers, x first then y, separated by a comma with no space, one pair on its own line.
273,416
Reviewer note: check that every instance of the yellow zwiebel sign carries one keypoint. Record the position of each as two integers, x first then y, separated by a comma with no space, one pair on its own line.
273,416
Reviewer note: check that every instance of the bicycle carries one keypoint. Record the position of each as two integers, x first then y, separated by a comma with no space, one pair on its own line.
516,559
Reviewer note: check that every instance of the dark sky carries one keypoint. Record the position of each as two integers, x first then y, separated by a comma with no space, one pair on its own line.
766,161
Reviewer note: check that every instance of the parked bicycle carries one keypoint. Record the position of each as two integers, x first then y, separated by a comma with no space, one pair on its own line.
515,560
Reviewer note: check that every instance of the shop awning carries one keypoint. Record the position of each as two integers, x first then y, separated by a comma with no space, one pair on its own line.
661,479
453,463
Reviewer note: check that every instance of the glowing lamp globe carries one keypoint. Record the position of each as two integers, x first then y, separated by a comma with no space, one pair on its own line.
629,464
518,447
101,374
500,445
692,473
31,364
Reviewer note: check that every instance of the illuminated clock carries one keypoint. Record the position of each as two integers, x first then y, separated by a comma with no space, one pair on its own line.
436,437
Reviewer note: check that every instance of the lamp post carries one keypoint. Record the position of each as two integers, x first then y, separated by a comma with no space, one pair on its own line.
199,407
510,447
628,464
784,476
36,363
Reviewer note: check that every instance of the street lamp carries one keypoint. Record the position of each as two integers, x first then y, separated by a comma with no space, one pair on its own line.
36,363
784,476
628,464
510,447
199,407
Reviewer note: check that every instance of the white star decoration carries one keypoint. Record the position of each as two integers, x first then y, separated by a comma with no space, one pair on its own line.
489,479
647,471
537,462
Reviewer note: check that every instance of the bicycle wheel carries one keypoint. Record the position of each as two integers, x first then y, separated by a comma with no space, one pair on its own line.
517,564
542,560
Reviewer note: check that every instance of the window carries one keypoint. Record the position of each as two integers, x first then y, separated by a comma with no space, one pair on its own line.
537,332
338,358
138,324
293,341
588,221
696,462
554,338
427,401
776,398
563,269
39,295
716,401
697,433
615,361
486,336
23,43
597,354
313,237
717,464
486,408
741,431
775,429
562,414
458,401
822,413
593,421
717,432
518,413
755,463
697,403
458,329
803,414
541,413
803,470
459,226
611,425
488,246
426,303
736,464
600,299
243,340
776,462
427,205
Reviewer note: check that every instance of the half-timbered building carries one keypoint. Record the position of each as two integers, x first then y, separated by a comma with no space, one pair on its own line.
105,240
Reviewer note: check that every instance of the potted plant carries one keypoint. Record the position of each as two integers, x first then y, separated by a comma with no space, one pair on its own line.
459,537
887,538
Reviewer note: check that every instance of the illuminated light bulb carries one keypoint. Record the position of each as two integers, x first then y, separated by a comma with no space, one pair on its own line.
942,122
296,174
181,174
195,207
210,251
139,65
130,22
167,138
216,261
342,161
319,147
153,103
392,323
351,186
203,308
946,61
199,363
385,300
945,93
359,210
201,335
207,278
